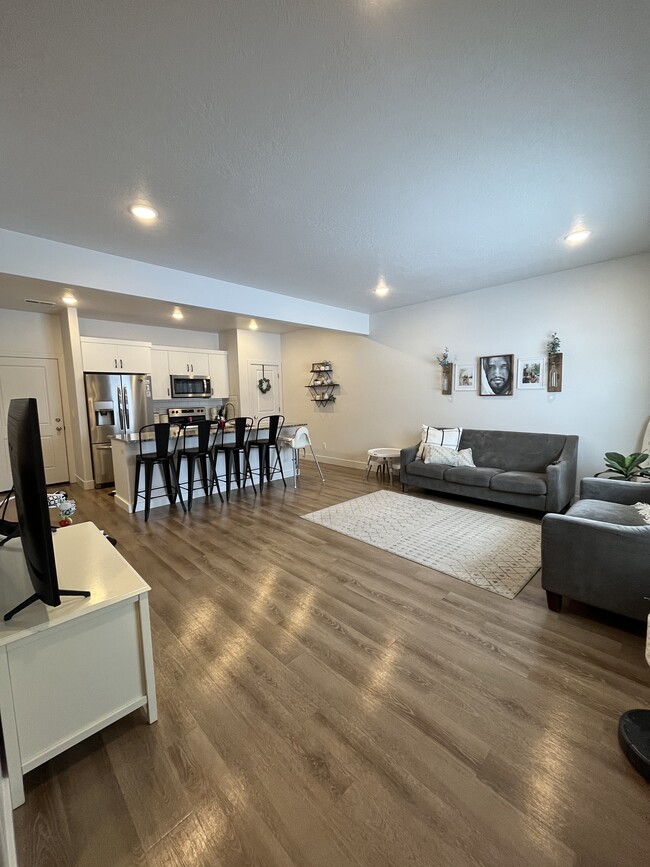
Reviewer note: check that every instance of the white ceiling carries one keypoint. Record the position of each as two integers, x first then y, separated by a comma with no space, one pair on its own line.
117,307
305,146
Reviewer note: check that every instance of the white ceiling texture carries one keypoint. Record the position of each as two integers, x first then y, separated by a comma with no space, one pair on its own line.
307,146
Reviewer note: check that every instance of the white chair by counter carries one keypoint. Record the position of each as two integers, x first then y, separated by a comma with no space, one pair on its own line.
300,440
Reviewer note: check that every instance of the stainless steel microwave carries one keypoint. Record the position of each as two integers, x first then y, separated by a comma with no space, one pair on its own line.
191,385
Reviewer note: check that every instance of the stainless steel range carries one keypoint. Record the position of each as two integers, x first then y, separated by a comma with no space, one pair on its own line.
186,415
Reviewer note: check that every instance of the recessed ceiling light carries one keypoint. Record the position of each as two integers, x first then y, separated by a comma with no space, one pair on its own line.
577,236
253,325
143,212
177,314
69,299
382,288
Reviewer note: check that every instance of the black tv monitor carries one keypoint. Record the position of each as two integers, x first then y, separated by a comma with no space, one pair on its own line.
28,473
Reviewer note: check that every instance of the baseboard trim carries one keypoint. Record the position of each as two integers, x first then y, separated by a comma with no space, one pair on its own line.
338,462
85,484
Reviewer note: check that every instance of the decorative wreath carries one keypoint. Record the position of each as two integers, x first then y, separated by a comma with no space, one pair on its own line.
264,385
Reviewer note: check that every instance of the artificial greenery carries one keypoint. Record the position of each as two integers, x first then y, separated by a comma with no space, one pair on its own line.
443,358
553,345
264,384
628,467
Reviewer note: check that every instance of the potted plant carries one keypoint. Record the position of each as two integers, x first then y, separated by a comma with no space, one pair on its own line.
628,467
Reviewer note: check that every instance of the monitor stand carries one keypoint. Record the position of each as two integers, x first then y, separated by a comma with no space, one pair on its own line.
36,597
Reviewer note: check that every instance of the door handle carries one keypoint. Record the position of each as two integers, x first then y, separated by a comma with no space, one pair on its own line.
126,408
121,364
57,419
119,407
192,368
115,365
59,428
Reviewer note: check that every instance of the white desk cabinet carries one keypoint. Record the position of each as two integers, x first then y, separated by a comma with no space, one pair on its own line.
69,671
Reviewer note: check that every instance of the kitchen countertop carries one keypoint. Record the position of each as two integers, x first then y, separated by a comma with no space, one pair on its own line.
191,431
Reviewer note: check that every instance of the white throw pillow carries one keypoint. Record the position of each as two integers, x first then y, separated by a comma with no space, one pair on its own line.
440,455
449,437
644,509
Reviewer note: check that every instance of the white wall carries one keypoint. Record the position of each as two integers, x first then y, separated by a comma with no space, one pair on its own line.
30,334
390,381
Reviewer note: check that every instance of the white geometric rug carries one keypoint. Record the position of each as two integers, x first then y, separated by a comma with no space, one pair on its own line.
495,553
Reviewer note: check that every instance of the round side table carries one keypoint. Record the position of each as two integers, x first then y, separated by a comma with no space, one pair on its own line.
634,731
383,460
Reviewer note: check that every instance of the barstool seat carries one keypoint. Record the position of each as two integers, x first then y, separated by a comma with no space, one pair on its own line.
203,454
163,455
268,430
232,451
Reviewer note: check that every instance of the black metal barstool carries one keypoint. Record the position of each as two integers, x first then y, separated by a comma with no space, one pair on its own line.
164,456
203,454
269,428
232,451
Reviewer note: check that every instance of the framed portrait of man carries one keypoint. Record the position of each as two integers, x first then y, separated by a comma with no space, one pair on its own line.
496,375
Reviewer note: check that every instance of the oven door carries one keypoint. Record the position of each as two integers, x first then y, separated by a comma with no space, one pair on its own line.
191,386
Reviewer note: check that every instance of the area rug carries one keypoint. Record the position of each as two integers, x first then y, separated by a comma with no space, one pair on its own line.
498,554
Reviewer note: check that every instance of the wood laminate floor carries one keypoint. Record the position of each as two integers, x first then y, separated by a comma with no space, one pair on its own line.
326,704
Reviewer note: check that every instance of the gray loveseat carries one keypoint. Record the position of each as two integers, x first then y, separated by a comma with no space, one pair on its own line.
531,470
599,552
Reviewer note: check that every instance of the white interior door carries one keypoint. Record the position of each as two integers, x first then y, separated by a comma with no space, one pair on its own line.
260,403
39,378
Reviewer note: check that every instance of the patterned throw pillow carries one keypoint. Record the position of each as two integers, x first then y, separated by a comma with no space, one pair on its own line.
644,509
449,437
440,455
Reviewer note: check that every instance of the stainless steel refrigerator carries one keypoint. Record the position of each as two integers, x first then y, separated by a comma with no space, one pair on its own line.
117,404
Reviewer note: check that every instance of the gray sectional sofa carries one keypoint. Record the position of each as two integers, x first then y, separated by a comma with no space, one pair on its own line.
531,470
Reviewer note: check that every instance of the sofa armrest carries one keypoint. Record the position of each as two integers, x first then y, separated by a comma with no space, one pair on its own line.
598,563
408,454
561,477
615,491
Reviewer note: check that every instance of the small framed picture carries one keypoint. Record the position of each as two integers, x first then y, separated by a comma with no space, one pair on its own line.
465,376
496,375
530,372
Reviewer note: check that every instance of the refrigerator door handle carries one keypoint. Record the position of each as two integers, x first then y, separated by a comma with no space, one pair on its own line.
127,415
119,407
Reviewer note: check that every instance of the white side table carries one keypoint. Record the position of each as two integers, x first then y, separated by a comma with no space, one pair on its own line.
383,460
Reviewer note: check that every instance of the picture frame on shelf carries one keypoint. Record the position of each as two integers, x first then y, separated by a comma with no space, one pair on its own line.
465,376
531,372
496,375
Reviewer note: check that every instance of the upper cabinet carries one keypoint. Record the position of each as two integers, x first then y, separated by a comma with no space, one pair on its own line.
167,361
188,361
160,384
107,356
219,373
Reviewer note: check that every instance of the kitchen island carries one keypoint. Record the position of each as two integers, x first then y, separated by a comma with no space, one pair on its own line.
125,448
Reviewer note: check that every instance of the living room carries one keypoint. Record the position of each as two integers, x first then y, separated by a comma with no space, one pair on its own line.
320,700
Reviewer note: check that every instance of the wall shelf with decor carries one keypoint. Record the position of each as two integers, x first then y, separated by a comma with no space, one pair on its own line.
321,385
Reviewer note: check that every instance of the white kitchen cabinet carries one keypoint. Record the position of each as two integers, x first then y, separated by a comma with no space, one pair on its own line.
107,356
160,385
218,362
188,361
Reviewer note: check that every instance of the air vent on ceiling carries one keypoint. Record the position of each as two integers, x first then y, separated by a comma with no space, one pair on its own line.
40,303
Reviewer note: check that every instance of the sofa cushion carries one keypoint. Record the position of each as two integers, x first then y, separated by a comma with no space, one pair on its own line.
440,436
608,513
513,450
433,454
519,483
478,476
428,471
